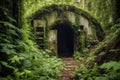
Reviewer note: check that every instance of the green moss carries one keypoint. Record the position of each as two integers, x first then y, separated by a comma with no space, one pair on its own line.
103,11
62,8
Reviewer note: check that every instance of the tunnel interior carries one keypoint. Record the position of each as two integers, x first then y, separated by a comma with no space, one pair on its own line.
65,40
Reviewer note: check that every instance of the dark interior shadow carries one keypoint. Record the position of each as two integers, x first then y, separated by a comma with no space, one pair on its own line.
65,40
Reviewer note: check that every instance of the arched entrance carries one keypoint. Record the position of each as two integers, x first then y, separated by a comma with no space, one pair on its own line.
62,40
65,40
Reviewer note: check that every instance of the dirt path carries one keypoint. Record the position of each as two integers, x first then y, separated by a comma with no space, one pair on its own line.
70,65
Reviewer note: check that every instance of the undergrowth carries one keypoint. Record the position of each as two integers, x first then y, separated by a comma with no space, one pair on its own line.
106,71
104,64
22,60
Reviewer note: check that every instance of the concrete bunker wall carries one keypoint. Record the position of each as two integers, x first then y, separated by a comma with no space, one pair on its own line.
82,23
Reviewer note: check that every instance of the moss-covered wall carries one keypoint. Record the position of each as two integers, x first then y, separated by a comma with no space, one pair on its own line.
102,10
75,15
85,26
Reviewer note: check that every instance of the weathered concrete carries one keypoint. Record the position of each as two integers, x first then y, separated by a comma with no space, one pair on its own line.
83,24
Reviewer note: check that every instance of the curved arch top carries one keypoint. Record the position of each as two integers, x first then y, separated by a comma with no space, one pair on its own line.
63,8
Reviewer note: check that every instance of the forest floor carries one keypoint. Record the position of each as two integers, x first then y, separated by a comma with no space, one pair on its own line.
70,66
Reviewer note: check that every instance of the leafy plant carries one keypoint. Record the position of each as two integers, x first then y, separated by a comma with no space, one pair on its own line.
106,71
90,43
21,59
112,70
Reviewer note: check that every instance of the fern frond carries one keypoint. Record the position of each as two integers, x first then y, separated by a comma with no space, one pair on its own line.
111,65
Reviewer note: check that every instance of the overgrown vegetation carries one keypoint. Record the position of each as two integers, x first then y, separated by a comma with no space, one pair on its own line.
103,62
21,59
95,8
106,71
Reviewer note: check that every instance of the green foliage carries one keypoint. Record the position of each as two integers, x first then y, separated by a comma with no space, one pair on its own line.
36,66
115,27
79,56
112,70
106,71
96,8
91,43
111,65
87,73
21,59
34,5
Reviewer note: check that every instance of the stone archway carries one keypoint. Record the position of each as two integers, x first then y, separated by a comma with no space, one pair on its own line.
60,11
84,25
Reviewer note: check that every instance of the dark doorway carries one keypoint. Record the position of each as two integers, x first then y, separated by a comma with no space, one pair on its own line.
65,38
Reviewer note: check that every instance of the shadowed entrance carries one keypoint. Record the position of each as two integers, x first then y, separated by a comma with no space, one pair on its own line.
65,38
